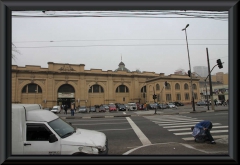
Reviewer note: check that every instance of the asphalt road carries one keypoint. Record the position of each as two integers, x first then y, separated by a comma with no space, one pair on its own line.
157,134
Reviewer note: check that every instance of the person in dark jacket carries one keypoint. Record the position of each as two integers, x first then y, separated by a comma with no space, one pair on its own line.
65,109
203,126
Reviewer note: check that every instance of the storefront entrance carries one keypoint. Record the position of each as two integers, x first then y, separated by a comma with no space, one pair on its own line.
66,95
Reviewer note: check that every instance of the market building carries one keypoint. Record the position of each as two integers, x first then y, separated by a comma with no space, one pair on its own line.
63,83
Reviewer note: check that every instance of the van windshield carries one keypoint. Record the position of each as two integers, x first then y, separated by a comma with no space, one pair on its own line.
62,128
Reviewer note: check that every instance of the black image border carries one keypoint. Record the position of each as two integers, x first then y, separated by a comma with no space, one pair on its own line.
6,6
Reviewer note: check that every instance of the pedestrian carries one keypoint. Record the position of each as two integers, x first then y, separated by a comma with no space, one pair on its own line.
65,109
72,112
202,128
215,101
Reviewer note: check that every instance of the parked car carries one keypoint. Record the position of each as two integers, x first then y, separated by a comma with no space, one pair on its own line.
178,103
82,109
102,109
106,107
112,107
140,107
121,107
171,105
152,106
162,106
126,105
92,109
56,109
48,109
202,103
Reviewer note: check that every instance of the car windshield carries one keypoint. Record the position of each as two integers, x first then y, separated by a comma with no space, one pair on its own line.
62,128
54,109
112,106
82,107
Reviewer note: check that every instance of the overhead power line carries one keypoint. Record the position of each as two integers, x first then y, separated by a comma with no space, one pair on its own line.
112,40
117,45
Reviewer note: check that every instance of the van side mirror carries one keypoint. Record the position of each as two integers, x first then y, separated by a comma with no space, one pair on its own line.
52,138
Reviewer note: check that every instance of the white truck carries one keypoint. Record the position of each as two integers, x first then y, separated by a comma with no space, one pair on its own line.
40,132
132,107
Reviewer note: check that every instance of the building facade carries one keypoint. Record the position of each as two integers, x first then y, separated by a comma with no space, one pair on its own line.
63,83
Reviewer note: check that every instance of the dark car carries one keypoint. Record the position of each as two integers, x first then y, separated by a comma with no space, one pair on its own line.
178,103
121,107
202,103
152,106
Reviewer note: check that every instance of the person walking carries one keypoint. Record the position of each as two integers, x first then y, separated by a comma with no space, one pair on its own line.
203,127
72,109
65,109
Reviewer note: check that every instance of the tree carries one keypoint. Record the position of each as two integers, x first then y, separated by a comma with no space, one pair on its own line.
14,51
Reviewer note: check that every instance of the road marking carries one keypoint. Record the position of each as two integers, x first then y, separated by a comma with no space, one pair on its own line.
193,123
214,137
189,133
170,121
124,113
101,123
189,125
138,132
184,129
114,129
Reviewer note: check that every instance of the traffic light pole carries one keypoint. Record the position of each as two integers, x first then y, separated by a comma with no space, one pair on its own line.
154,101
193,104
210,81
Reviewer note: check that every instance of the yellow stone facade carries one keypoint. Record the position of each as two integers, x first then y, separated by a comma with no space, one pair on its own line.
114,86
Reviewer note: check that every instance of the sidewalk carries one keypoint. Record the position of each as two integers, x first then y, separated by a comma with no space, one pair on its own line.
173,111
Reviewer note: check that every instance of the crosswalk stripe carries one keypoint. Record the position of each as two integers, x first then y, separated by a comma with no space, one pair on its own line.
170,121
183,129
193,123
214,137
188,125
189,133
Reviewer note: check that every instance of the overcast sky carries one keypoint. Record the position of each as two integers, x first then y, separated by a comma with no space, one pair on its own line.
148,44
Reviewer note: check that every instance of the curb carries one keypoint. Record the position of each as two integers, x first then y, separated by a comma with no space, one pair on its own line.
174,113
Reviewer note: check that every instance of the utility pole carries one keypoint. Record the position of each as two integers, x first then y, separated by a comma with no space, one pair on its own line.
210,81
154,97
206,93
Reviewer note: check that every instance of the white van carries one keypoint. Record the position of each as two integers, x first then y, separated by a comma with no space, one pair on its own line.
40,132
56,109
132,107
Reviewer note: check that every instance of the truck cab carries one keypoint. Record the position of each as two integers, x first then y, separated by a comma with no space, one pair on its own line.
40,132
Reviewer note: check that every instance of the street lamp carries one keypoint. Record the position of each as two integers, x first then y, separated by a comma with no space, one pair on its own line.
193,104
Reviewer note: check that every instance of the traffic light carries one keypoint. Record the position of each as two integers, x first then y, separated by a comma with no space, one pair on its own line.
165,83
189,73
219,63
154,96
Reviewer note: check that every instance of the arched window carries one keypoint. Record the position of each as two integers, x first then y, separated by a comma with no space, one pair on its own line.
157,87
96,89
185,86
144,89
66,88
177,86
168,86
32,88
122,89
194,86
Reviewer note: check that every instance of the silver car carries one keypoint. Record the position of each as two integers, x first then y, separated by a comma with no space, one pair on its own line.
82,109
